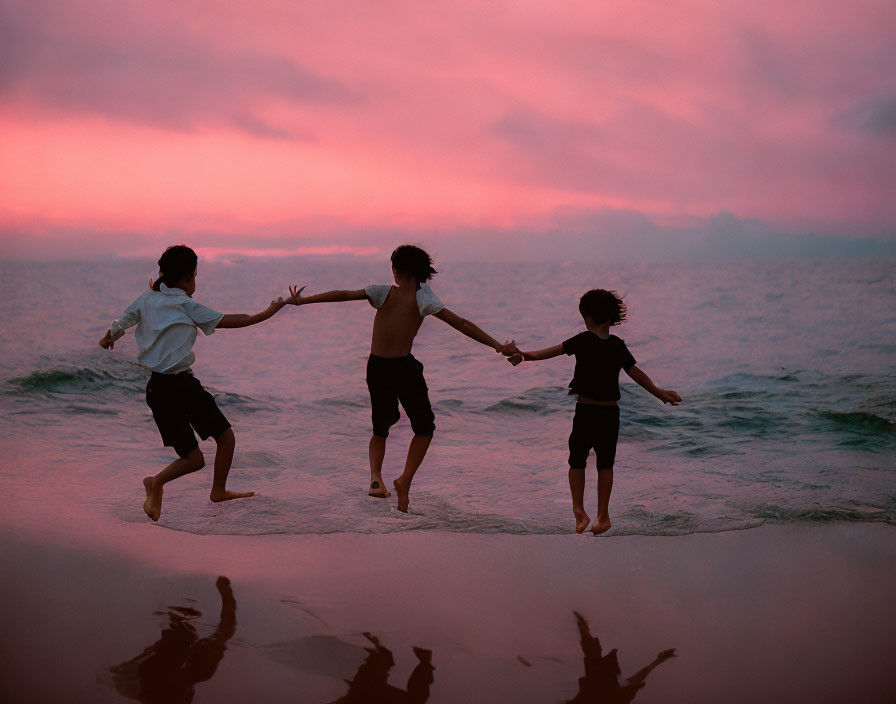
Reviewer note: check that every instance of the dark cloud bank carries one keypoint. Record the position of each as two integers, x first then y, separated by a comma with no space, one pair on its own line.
565,236
613,234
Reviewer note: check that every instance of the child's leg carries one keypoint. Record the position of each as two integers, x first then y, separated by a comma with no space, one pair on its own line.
604,487
416,452
577,489
223,459
204,415
605,451
579,447
377,451
165,396
192,461
414,398
383,415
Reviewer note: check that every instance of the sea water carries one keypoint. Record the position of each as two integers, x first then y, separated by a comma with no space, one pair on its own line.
786,369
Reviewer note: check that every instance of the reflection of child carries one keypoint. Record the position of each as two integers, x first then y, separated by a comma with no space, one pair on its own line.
167,318
168,670
601,680
393,374
599,357
371,681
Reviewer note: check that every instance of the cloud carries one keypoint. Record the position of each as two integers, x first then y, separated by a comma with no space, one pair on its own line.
567,234
876,116
776,67
603,57
639,151
444,113
171,78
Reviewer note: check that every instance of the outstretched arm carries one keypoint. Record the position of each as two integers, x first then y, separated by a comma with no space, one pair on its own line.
333,297
128,319
664,395
535,355
641,674
241,320
473,332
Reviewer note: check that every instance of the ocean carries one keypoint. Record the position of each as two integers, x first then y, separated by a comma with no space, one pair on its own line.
786,369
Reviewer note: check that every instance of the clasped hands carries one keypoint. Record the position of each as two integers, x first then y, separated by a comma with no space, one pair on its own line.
294,297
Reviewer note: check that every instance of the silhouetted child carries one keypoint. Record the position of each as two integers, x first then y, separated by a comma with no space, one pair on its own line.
393,375
599,357
167,318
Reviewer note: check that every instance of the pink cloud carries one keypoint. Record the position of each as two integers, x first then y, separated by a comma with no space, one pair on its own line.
241,117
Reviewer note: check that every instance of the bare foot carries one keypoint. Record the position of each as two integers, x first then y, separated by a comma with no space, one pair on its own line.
219,496
401,488
582,519
152,507
378,489
601,525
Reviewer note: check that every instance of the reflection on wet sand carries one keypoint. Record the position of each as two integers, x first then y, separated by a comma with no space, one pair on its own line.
601,680
370,684
168,670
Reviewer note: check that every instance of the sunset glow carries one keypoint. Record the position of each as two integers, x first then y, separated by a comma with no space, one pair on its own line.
332,121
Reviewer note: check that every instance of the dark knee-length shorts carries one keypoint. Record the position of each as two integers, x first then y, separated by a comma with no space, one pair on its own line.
179,406
594,427
394,380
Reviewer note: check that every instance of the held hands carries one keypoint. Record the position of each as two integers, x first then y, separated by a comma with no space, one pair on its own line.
107,343
508,348
516,358
295,298
667,396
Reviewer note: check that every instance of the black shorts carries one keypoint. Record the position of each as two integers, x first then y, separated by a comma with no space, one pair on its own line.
179,405
394,379
594,427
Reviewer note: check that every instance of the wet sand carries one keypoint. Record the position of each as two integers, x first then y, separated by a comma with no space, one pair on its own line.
773,614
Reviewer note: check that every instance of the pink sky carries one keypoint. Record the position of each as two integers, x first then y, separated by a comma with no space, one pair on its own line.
300,126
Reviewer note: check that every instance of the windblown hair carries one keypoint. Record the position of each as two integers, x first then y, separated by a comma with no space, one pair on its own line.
412,260
176,264
602,306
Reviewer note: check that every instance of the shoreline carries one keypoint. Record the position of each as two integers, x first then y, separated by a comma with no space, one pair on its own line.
775,613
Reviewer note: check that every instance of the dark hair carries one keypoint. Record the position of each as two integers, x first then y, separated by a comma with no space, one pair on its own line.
412,260
602,306
176,264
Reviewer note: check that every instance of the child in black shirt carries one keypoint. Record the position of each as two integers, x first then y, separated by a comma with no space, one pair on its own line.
599,357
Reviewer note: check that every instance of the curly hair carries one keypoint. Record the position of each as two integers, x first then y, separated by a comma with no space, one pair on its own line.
603,306
412,260
176,263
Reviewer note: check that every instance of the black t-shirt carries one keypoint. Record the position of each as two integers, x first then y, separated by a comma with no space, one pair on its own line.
598,362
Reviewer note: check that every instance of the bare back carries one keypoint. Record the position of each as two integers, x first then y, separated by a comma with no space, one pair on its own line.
396,323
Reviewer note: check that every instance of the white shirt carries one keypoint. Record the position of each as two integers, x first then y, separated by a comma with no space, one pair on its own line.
427,301
166,323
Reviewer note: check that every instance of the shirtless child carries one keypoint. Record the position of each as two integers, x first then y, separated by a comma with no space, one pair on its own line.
393,375
167,319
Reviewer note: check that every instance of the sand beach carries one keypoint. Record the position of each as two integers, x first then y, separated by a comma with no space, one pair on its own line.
774,614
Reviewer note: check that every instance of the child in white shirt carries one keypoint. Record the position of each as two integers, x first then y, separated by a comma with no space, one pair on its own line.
167,318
